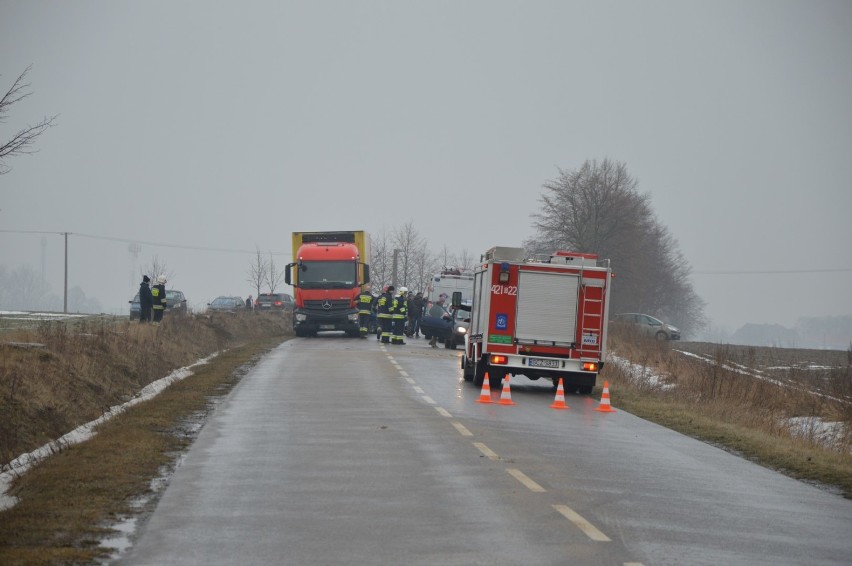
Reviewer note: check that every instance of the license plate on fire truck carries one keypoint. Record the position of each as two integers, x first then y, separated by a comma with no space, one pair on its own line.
539,363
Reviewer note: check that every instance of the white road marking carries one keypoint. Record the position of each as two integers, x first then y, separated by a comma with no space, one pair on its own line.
403,374
462,429
409,380
419,389
487,451
582,524
429,400
443,412
525,479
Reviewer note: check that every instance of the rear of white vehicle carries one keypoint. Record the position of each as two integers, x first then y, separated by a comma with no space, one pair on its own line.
538,318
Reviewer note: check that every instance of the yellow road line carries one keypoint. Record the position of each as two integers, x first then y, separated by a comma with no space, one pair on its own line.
582,524
525,479
487,451
462,429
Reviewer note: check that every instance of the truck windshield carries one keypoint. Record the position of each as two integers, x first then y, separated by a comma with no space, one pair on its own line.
327,274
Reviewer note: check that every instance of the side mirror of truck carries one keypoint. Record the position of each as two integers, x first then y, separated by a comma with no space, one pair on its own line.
287,271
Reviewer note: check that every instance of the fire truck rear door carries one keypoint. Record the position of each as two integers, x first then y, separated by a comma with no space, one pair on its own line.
547,307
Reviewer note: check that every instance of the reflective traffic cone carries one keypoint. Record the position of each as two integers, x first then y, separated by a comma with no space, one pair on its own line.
605,407
506,394
485,394
559,402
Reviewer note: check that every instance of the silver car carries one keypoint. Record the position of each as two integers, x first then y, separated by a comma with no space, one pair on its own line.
649,325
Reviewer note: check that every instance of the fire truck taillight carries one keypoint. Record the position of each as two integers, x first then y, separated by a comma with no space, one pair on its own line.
498,360
590,366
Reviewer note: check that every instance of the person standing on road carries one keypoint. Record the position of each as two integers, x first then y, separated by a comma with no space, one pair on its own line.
400,310
146,300
365,309
249,303
415,312
385,304
159,294
439,311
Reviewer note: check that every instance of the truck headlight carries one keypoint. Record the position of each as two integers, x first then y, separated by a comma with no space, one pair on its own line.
461,329
301,317
353,317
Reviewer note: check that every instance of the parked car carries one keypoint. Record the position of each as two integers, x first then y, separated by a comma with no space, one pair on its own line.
274,301
226,304
461,325
649,325
175,302
452,332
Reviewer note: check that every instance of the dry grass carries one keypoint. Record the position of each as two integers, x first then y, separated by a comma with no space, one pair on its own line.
67,501
743,399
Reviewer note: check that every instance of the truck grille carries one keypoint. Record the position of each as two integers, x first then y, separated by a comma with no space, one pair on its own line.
328,305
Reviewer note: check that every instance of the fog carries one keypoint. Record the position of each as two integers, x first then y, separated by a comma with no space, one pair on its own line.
204,130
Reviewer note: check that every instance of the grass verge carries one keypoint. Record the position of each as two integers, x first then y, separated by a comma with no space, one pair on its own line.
67,502
743,401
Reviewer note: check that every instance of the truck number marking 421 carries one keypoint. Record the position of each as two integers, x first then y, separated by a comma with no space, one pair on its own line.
504,290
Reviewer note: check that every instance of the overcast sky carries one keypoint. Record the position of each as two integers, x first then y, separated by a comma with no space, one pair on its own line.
228,125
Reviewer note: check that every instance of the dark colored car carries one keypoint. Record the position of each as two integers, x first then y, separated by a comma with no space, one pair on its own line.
274,301
226,304
649,325
451,332
175,302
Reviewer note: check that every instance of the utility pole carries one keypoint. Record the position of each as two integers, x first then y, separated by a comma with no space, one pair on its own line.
65,304
395,261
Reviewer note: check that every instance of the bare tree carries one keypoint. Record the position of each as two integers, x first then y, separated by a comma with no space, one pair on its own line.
274,276
257,271
381,261
598,209
412,266
156,268
22,142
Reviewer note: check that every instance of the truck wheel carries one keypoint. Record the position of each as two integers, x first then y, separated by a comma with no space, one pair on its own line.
479,373
496,379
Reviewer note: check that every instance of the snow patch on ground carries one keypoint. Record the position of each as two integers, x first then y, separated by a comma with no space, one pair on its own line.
82,433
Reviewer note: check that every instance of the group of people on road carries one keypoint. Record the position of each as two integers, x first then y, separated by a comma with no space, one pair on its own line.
398,314
152,299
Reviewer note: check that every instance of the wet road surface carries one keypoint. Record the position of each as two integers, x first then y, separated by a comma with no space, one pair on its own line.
342,451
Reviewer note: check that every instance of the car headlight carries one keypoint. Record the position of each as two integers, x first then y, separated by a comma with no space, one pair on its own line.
461,329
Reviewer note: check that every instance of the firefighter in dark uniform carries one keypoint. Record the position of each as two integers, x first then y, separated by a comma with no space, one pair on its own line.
399,315
385,304
365,309
159,294
146,300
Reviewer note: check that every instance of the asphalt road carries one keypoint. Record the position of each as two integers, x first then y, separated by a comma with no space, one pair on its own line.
343,451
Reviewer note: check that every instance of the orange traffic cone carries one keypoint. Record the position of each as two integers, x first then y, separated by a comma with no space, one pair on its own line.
559,402
485,394
605,407
506,395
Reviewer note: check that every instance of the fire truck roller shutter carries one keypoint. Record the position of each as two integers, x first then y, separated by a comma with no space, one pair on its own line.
547,307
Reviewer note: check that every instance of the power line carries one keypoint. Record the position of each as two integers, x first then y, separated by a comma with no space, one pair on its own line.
147,243
835,270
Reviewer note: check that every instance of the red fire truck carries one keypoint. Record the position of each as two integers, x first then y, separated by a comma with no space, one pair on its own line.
543,317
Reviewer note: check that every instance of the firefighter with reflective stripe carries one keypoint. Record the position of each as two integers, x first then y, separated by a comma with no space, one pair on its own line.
365,306
399,315
159,294
385,304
